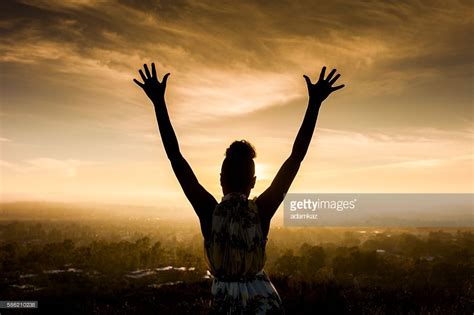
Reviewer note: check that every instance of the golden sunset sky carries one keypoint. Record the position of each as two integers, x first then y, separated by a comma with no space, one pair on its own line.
74,127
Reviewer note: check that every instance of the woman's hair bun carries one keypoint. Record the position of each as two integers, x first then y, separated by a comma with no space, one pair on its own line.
240,149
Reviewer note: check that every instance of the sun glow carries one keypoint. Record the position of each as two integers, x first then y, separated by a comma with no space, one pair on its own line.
261,171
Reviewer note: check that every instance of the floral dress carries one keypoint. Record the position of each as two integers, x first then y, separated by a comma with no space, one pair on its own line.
235,254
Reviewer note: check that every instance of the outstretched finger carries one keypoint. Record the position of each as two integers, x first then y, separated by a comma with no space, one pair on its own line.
138,83
308,81
338,87
330,74
148,75
323,72
153,70
165,79
142,75
333,80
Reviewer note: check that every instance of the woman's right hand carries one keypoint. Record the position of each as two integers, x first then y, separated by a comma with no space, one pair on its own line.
154,89
320,90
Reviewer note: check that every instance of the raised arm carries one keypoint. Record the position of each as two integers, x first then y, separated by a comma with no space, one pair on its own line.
269,201
201,200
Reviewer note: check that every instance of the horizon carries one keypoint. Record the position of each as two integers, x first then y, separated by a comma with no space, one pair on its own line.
438,212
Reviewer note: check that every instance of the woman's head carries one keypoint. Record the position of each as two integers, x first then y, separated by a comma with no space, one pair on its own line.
238,168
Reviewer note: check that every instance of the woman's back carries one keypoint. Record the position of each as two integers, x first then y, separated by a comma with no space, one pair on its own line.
236,247
235,253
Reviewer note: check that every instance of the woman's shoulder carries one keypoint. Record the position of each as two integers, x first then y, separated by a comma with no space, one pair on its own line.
252,202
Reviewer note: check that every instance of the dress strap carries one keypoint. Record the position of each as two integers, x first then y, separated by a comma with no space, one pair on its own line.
233,195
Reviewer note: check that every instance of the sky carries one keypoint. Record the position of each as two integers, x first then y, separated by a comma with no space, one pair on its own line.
74,127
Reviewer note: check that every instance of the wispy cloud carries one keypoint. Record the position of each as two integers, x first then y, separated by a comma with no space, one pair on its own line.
51,166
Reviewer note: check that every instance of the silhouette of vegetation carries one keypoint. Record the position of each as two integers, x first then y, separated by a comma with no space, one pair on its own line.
142,267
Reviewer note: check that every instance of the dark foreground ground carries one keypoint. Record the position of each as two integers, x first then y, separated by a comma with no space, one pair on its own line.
72,268
77,295
194,298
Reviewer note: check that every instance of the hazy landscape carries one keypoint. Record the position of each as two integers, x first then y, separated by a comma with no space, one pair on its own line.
77,261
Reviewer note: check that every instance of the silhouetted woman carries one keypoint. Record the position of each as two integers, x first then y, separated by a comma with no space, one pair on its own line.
235,230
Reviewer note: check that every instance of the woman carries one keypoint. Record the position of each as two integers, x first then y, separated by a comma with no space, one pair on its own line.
235,230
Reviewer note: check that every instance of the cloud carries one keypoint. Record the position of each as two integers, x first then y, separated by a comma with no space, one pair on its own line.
219,93
5,164
62,5
261,35
240,47
51,166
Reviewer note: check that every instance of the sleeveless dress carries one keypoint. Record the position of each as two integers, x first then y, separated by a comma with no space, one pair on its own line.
235,255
